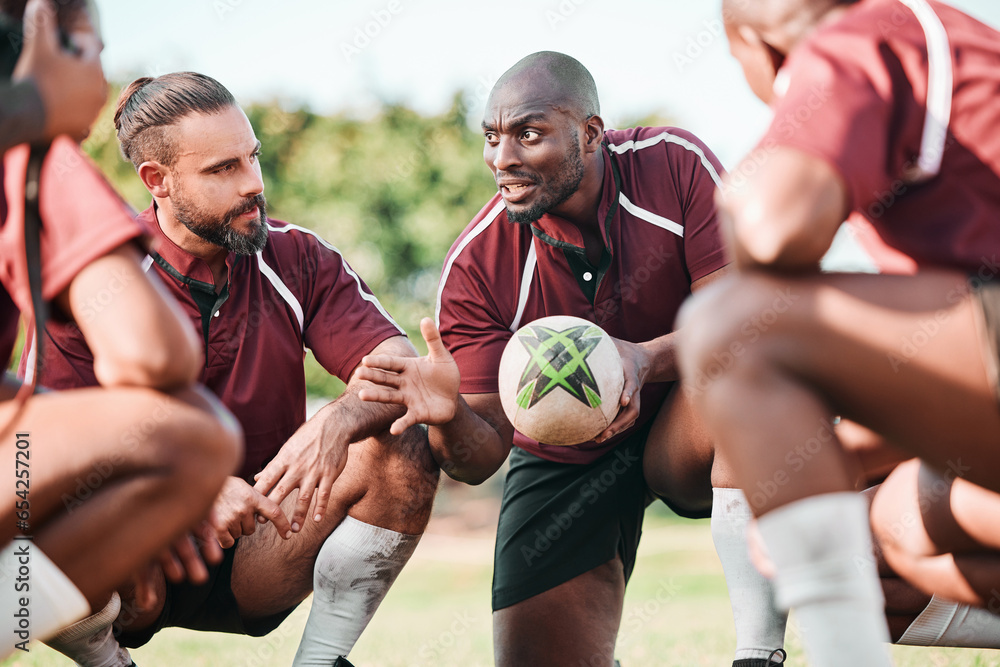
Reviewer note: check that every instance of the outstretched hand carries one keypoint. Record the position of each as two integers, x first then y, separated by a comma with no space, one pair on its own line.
635,367
426,386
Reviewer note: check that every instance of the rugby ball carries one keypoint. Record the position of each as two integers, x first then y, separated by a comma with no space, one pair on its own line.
560,380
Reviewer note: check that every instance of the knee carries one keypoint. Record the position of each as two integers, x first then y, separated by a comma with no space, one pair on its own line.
406,482
199,440
897,525
721,327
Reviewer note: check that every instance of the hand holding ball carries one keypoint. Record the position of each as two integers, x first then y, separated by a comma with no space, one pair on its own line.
561,380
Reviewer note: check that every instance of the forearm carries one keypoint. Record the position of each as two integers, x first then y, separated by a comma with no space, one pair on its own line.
662,354
22,115
468,448
349,419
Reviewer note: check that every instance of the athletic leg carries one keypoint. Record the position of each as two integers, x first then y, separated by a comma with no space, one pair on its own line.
115,478
380,506
681,466
867,347
575,623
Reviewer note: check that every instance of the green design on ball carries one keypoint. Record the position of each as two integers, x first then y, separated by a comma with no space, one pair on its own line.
559,361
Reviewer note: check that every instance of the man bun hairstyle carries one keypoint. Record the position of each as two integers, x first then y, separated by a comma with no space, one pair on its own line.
147,106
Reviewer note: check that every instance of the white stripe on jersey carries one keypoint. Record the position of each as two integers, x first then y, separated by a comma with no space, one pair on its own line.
370,298
282,290
522,297
657,220
632,145
939,92
476,231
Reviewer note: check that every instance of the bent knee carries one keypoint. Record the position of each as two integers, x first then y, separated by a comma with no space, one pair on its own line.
195,439
896,518
725,321
400,480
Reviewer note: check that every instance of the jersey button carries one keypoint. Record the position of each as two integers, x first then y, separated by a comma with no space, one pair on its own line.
587,276
216,314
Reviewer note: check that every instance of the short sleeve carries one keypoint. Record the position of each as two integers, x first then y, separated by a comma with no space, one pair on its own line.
472,329
83,219
342,319
698,174
838,108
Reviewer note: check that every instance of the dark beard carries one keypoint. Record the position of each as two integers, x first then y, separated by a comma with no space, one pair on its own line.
570,175
222,234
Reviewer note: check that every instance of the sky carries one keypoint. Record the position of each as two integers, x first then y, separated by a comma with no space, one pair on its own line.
668,57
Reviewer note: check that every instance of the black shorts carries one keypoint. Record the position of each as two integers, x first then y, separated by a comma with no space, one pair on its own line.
210,607
987,294
559,520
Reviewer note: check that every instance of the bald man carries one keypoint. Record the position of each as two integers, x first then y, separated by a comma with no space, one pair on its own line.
887,109
616,227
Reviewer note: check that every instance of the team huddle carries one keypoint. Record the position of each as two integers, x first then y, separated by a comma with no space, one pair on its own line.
847,454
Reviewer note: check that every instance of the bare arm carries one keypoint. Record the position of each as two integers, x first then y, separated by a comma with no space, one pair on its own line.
784,216
137,332
316,454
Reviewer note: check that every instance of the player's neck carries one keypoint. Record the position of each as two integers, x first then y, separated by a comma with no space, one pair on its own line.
582,207
188,241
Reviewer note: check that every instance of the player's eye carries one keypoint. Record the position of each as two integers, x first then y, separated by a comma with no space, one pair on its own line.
491,138
529,135
255,156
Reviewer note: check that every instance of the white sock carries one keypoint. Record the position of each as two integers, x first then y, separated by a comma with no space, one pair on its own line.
760,626
91,642
824,569
32,588
946,623
354,570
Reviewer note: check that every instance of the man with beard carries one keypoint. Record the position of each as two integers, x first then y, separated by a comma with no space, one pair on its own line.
616,227
257,291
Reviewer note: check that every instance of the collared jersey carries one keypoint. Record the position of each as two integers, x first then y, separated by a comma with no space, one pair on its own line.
297,292
83,219
900,97
657,218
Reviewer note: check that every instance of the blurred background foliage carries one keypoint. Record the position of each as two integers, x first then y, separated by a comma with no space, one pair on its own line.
391,192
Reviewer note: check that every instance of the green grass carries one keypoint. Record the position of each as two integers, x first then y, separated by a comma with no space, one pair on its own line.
438,613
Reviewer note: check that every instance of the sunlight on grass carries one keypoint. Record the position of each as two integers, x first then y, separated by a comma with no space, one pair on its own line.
438,613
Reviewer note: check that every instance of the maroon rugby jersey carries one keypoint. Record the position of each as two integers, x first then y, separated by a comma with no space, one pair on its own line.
903,100
83,219
297,292
658,220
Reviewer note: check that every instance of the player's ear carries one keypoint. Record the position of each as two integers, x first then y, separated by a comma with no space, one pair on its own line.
593,134
154,177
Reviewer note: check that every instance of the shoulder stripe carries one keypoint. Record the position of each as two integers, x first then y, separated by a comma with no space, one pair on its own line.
370,298
657,220
476,231
522,296
30,343
282,290
667,137
939,92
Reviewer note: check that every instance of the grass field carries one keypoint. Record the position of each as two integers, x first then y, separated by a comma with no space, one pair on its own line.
438,613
